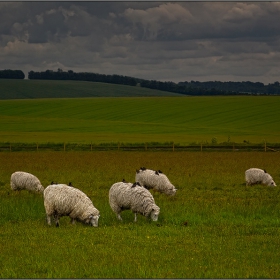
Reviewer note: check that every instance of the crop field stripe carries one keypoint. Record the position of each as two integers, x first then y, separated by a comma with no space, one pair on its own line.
151,119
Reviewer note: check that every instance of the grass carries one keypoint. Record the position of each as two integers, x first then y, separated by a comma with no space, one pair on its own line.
214,227
34,89
181,120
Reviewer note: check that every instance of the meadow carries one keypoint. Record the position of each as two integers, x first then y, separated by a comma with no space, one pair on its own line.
182,120
34,89
214,227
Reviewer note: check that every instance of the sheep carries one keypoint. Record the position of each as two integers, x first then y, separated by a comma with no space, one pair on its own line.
258,176
21,180
62,200
156,180
125,196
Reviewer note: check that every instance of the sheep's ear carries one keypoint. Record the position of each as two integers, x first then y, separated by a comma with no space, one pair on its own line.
264,171
157,173
138,184
137,171
134,185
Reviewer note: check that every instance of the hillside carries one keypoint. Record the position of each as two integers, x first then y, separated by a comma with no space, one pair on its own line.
31,89
139,119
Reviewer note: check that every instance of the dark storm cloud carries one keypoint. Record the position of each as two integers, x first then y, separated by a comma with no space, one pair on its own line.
173,41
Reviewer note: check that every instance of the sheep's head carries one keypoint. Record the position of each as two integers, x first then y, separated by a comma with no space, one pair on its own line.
155,213
171,191
268,180
92,220
40,189
272,184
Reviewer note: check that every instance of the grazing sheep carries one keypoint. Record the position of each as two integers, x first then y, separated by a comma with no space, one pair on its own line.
156,180
25,181
62,200
124,196
258,176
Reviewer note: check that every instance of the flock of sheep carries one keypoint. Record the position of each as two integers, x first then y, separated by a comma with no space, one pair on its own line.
66,200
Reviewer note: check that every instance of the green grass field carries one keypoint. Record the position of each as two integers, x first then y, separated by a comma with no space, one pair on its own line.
34,89
214,227
181,120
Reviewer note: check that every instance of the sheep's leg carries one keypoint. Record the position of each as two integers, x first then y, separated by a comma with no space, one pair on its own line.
119,216
49,219
72,221
56,218
135,217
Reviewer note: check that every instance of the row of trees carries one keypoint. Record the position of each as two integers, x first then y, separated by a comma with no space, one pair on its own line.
187,88
82,76
11,74
184,89
240,87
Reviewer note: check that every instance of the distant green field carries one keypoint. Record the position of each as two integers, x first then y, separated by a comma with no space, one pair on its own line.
30,89
182,120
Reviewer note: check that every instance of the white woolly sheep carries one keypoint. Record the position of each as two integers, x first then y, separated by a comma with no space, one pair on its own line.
156,180
125,196
25,181
258,176
62,200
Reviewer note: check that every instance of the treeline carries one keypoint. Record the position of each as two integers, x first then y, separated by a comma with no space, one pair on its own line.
11,74
187,88
82,76
238,87
214,87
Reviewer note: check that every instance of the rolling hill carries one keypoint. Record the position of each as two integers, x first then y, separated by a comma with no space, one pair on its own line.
30,89
141,119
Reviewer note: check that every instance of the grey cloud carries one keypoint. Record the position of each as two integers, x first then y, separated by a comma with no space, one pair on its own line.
172,41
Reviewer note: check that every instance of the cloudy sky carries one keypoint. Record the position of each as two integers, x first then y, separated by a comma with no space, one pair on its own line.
165,41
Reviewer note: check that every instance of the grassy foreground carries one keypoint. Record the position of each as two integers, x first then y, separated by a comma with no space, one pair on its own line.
214,227
181,120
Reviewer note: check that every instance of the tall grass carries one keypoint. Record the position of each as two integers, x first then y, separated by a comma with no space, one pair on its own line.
214,227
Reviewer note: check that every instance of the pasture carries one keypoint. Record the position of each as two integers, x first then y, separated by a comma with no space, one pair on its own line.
214,227
182,120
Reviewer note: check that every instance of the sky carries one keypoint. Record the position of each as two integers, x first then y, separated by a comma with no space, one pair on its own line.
163,41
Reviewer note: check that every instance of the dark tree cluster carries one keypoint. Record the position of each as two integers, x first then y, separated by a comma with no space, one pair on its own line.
82,76
11,74
186,88
237,87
